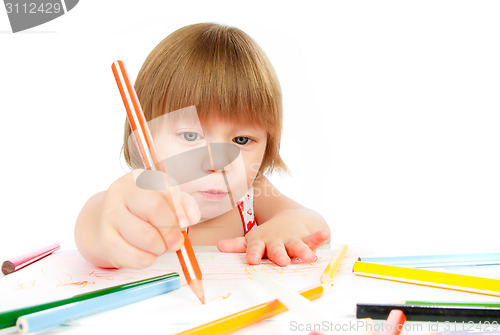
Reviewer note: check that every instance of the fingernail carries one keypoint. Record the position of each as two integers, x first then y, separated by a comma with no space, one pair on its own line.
283,260
310,256
175,240
183,221
253,259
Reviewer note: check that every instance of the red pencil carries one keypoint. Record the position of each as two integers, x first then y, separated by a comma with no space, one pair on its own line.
149,156
20,262
394,323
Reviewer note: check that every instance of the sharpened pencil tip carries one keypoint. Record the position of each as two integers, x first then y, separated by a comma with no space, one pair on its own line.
197,287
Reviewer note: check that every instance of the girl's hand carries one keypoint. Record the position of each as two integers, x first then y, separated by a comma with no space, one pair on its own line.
127,226
284,236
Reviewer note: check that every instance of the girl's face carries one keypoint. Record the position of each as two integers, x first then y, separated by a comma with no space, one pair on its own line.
215,161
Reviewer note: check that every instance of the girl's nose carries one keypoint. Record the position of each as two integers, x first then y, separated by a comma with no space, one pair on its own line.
220,155
207,165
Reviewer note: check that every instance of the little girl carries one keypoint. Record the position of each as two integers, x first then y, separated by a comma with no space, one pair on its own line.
230,84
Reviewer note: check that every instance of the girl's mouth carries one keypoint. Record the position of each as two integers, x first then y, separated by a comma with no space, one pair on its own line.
213,194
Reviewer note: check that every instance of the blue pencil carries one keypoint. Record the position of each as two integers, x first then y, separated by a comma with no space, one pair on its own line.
56,316
427,261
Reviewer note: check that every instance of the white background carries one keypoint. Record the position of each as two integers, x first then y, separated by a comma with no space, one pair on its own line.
391,122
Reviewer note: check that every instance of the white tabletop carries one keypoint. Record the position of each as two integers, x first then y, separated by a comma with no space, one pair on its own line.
228,289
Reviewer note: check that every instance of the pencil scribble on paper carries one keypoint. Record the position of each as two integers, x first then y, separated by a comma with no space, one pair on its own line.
110,275
25,285
80,283
66,274
220,298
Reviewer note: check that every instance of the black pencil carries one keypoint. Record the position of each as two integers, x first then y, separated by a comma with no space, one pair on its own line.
430,313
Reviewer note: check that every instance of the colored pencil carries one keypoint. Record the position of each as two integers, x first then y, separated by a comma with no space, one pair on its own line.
430,313
394,323
8,318
59,315
247,317
452,303
333,266
144,140
20,262
292,300
426,261
445,280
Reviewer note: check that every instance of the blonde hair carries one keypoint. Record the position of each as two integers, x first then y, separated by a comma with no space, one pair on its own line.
219,69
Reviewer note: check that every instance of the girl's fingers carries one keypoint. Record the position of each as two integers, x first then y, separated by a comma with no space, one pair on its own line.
152,207
316,239
276,252
139,233
183,205
237,244
121,254
255,251
297,248
191,208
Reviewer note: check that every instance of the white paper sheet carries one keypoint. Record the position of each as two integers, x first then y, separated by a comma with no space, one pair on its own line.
227,283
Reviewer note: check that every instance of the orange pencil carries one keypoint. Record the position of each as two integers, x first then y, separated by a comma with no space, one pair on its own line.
394,323
240,320
149,156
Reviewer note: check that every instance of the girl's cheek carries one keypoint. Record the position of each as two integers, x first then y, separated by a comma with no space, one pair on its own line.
252,171
253,168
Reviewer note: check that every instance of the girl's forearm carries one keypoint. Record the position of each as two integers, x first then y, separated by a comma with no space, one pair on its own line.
86,231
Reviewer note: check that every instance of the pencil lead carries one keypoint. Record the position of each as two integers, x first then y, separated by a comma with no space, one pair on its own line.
197,287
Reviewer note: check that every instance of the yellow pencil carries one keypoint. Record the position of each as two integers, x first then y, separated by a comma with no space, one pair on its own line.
333,266
240,320
451,281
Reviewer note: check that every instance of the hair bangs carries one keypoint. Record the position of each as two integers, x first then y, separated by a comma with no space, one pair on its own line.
223,73
225,81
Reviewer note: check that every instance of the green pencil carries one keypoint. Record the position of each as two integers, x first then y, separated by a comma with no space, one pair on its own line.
9,318
450,303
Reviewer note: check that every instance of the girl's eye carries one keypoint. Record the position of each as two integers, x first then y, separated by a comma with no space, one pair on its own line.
241,140
190,137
